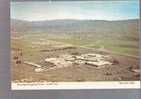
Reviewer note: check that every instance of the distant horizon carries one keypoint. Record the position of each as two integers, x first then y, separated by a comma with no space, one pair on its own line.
72,20
75,10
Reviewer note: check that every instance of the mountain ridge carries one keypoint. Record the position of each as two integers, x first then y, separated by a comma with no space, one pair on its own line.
75,26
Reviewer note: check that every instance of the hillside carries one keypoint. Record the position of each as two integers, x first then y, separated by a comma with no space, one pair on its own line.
106,28
120,36
75,26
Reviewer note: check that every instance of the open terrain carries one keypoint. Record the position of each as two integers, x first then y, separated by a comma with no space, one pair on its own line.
74,50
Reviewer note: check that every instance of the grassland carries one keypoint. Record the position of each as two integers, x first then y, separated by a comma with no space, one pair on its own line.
37,46
115,36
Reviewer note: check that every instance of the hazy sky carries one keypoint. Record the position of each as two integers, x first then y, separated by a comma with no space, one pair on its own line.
95,10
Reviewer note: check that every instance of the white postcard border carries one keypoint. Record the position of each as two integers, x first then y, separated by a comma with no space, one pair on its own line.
76,85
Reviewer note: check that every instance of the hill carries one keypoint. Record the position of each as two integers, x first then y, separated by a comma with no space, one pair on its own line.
120,36
100,27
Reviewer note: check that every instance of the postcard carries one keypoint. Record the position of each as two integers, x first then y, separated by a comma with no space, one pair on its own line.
74,45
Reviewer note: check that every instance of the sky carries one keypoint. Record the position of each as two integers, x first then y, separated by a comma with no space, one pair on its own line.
78,10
